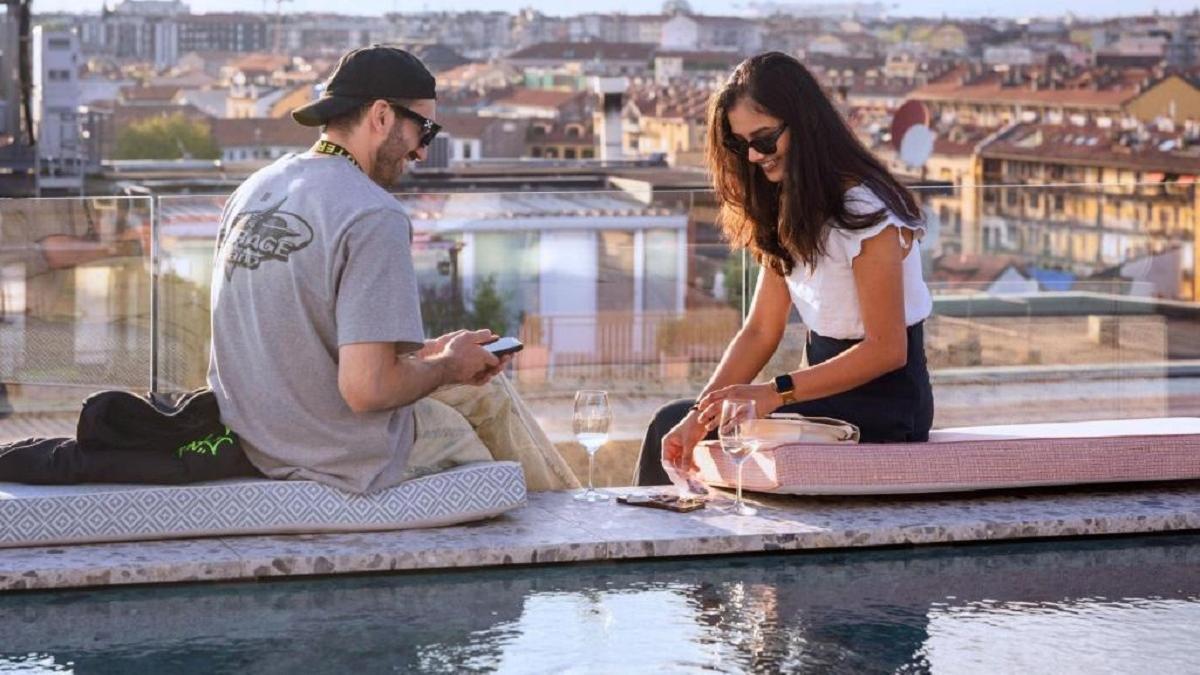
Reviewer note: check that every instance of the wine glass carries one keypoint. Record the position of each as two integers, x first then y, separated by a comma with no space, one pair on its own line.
736,431
590,422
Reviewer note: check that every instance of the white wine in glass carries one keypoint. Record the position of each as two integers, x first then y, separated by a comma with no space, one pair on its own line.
590,422
735,431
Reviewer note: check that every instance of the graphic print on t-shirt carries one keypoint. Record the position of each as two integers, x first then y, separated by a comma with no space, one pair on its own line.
270,234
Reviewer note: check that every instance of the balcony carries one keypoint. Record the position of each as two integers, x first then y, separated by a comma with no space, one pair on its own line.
625,291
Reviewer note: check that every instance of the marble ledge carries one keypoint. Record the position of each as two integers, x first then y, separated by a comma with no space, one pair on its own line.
554,529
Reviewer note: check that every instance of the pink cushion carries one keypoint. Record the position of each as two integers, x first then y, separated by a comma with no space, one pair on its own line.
973,458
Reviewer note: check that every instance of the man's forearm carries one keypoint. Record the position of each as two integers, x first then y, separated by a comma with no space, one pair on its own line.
405,380
412,379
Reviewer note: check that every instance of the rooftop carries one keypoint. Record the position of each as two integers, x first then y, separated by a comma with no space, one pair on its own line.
1140,149
690,103
265,131
539,98
586,51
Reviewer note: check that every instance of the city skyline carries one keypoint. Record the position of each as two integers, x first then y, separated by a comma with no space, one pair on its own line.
1014,9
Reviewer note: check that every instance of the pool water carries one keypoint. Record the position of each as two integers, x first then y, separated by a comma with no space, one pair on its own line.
1088,606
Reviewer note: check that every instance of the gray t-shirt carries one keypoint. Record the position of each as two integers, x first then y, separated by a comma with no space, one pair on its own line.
312,255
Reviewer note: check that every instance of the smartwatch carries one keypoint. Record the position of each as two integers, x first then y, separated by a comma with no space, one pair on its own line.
786,388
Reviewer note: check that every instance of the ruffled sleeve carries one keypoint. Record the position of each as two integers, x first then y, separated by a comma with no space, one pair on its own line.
847,244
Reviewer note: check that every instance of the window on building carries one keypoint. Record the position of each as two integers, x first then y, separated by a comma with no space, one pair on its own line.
569,153
511,261
466,150
662,269
59,43
535,152
588,153
615,281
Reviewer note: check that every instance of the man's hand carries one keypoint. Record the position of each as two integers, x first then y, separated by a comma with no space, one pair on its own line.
435,346
464,359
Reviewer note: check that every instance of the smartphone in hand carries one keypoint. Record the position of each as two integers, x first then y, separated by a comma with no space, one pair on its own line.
504,346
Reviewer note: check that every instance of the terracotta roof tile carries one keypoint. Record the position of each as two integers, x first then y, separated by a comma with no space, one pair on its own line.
270,131
587,51
1095,146
544,98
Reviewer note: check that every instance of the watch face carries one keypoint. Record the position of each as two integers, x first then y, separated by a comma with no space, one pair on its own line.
784,384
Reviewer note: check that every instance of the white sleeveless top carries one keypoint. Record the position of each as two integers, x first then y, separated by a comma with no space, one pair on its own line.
827,296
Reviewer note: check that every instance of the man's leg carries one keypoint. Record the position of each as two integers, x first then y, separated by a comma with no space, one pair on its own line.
63,461
505,425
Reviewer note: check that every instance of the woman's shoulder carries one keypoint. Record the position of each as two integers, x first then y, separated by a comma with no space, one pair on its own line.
861,200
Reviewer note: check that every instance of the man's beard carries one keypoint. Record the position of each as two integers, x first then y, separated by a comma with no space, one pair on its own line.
388,163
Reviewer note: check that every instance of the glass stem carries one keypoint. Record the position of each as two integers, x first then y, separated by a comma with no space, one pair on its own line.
738,501
591,461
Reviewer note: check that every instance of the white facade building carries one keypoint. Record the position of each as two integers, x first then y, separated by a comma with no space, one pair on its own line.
57,121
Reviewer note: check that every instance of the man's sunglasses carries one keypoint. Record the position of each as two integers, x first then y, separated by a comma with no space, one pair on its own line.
766,144
429,128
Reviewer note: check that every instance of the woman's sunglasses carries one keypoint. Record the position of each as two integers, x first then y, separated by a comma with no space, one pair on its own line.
429,128
766,144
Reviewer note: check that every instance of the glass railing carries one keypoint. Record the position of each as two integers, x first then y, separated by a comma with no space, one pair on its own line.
1051,303
76,307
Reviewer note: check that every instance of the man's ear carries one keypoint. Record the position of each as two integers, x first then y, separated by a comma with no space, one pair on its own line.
379,114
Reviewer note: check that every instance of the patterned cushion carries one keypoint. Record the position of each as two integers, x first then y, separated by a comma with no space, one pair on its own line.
972,458
40,515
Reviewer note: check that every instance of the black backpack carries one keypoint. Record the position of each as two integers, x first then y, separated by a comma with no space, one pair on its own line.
122,437
181,423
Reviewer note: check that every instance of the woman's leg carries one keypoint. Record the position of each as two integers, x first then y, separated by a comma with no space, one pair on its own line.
649,470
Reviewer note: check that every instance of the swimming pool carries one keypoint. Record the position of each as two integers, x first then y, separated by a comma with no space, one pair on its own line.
1094,605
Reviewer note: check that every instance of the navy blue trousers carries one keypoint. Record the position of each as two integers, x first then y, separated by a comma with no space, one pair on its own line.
894,407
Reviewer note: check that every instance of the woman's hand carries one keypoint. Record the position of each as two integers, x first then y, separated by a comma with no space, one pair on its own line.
765,398
678,443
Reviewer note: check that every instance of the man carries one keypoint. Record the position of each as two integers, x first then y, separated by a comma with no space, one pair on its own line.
318,361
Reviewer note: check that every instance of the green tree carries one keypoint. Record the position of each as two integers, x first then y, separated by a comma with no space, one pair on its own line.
171,137
491,310
443,311
735,281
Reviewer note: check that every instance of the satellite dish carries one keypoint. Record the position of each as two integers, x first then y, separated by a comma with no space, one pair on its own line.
917,145
908,115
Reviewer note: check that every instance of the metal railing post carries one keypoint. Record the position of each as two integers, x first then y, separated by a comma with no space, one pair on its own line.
155,252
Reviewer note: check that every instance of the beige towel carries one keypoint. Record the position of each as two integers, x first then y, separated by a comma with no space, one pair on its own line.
463,423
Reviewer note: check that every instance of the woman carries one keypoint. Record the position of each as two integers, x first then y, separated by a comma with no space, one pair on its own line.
836,236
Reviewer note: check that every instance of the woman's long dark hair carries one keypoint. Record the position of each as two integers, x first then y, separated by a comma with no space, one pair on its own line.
783,224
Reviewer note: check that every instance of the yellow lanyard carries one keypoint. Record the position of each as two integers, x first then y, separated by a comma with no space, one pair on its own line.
330,148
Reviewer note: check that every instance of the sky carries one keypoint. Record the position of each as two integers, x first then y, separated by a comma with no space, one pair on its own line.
954,8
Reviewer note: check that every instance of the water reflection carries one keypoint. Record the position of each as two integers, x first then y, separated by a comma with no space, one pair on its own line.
1079,606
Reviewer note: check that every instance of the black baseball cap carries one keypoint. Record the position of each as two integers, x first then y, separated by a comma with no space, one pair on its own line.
366,74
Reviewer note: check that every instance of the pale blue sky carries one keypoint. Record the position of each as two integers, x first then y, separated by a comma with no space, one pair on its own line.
1009,8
